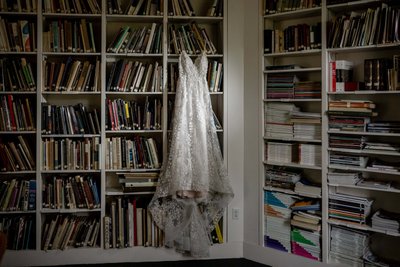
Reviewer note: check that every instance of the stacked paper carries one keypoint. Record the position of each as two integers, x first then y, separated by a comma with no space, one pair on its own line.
307,189
277,220
307,131
349,208
280,152
344,178
386,221
348,246
310,154
277,120
306,243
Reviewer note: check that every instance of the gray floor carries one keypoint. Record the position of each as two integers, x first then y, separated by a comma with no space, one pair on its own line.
189,263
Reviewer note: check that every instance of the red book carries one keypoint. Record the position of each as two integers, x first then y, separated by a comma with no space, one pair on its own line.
11,110
332,73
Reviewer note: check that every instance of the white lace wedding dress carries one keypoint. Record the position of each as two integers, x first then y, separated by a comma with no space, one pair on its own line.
193,188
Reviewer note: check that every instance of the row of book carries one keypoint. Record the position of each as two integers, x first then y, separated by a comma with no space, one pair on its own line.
72,75
278,6
16,114
293,38
190,38
304,154
135,7
144,40
361,143
138,153
130,115
180,8
70,193
69,120
18,36
362,28
18,6
70,231
69,36
135,76
382,74
71,154
288,86
214,76
16,75
16,155
129,223
20,231
72,6
18,195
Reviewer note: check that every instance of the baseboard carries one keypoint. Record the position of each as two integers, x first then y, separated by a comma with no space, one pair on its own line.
93,256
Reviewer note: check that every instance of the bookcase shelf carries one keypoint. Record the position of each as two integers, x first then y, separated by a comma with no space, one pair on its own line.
386,190
352,168
364,133
295,70
293,100
298,14
295,165
293,139
137,18
361,227
19,14
119,192
69,171
353,5
17,212
72,211
366,151
289,192
295,54
71,15
367,48
17,132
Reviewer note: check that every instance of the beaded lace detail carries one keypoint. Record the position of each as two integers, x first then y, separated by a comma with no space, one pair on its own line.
193,188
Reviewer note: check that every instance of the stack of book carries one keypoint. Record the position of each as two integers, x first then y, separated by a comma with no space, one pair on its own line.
349,142
307,220
350,115
17,36
348,160
344,178
277,120
308,205
281,152
384,127
16,155
280,86
306,188
374,183
306,125
282,178
16,114
310,154
78,7
277,215
138,181
386,221
21,6
349,208
348,246
383,165
306,243
307,89
381,146
341,74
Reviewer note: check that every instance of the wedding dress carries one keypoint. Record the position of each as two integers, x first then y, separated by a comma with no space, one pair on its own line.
193,188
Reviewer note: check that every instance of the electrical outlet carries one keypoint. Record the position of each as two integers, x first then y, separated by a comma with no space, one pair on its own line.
235,214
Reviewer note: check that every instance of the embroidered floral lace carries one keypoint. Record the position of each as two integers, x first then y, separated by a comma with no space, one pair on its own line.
193,188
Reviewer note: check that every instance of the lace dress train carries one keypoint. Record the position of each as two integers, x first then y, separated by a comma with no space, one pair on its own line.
193,189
